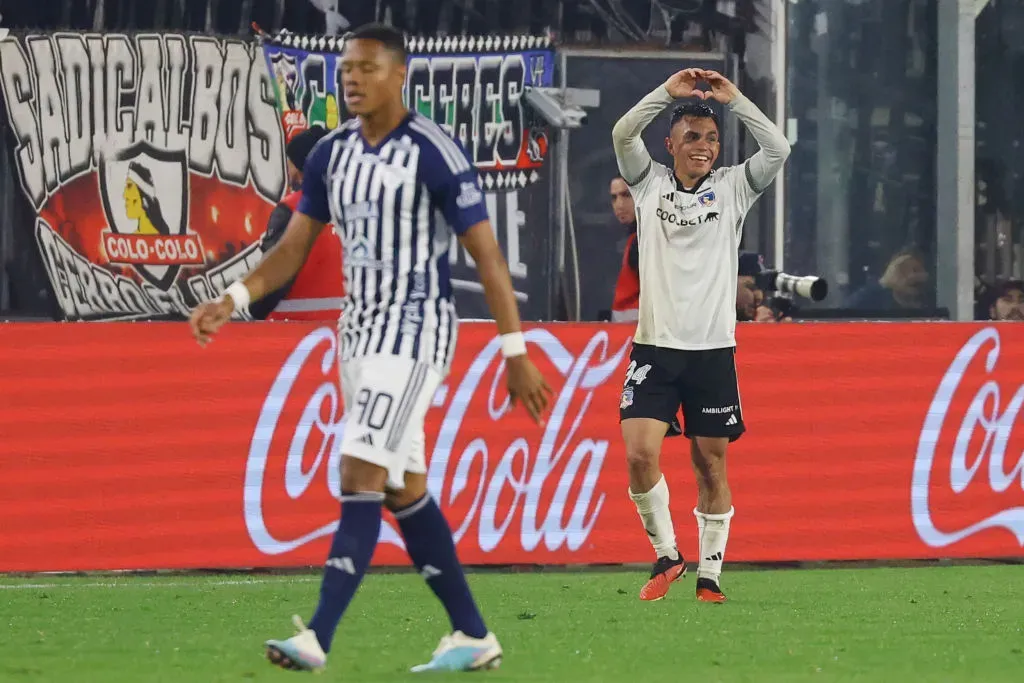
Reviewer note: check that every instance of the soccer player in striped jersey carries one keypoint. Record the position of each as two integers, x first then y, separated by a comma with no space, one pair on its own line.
396,186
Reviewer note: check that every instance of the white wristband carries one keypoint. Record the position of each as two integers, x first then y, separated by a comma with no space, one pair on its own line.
239,294
513,344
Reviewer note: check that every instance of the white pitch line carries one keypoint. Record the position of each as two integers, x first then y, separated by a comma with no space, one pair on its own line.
157,584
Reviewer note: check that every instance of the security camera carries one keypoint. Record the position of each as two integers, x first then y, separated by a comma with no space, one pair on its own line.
562,108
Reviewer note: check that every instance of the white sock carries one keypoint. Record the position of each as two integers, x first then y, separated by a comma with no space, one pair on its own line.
712,535
653,509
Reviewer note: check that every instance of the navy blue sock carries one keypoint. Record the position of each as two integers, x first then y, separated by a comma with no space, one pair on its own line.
351,551
428,540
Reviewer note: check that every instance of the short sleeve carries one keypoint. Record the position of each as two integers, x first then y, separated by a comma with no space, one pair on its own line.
461,200
315,202
452,181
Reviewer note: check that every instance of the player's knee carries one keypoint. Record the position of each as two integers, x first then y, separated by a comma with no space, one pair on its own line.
415,489
361,476
642,457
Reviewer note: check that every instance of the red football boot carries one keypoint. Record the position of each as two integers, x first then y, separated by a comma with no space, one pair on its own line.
708,591
665,571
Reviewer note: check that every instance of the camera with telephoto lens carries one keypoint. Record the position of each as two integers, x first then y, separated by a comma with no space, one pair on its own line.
808,286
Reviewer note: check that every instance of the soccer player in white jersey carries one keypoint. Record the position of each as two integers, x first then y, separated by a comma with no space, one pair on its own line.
689,222
397,187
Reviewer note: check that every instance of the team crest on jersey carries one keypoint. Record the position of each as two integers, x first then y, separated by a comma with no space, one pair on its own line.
144,191
627,398
359,253
707,199
469,196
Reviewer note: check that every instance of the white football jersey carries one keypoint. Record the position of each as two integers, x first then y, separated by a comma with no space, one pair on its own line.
689,239
689,256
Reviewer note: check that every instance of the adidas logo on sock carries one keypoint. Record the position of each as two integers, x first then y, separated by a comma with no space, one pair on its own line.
366,438
717,557
343,564
429,571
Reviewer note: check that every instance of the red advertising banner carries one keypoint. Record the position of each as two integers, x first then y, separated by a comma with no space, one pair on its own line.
126,446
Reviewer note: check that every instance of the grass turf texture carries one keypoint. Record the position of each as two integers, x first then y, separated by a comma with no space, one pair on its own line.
922,624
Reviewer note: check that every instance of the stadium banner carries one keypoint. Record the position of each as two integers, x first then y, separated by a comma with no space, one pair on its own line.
152,162
473,87
129,447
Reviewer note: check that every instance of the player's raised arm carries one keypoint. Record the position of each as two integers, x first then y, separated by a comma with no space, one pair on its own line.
630,152
766,163
282,262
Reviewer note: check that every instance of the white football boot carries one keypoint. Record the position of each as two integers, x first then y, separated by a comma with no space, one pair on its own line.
459,652
301,652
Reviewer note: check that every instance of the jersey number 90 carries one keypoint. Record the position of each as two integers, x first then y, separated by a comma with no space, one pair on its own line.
373,409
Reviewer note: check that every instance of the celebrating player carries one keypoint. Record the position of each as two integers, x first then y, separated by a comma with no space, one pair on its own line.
689,222
396,186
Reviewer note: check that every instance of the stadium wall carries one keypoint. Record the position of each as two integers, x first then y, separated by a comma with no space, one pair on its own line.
126,446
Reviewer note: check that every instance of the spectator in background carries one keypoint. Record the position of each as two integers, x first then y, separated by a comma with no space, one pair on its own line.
749,295
626,304
903,285
1007,301
316,292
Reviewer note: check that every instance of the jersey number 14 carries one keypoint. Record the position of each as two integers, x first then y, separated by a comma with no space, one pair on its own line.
635,374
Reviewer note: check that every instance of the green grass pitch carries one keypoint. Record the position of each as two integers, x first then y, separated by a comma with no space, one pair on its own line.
905,625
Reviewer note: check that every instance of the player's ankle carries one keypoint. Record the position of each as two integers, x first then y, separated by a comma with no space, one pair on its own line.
670,553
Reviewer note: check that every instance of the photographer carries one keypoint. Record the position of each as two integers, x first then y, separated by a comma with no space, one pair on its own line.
749,295
764,296
751,303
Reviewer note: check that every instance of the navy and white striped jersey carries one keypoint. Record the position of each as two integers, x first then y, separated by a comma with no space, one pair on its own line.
395,207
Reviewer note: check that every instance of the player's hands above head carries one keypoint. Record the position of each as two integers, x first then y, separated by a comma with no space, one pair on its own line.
722,89
684,83
209,317
527,386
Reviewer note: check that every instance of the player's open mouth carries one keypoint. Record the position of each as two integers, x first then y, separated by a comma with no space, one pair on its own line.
701,158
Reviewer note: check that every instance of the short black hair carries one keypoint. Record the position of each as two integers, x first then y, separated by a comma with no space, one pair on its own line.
696,110
302,144
389,36
1003,288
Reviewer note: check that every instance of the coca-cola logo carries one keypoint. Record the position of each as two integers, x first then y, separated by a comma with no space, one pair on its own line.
547,482
985,414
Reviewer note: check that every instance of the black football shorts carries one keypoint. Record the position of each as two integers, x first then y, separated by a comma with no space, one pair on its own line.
704,383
